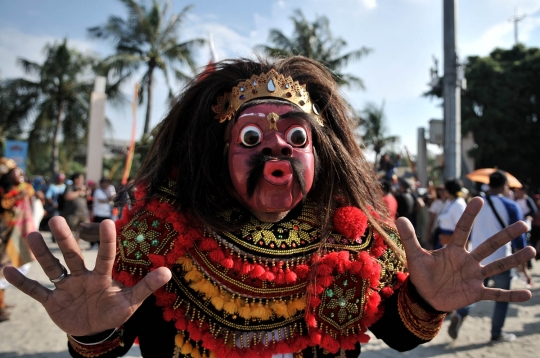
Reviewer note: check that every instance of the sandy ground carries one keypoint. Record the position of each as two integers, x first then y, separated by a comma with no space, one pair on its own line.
30,332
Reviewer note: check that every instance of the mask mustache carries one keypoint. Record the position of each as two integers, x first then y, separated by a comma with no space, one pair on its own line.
256,163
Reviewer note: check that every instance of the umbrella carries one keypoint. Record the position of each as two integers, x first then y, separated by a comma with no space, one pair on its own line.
482,176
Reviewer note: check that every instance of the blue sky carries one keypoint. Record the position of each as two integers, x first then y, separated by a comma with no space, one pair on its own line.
404,36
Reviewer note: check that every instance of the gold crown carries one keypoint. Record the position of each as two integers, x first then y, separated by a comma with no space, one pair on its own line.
270,84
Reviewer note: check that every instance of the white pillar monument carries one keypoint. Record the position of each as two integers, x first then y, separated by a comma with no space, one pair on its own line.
94,157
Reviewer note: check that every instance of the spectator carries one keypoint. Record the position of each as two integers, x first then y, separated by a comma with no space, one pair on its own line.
76,207
54,197
102,204
496,214
389,199
435,209
15,223
526,204
448,218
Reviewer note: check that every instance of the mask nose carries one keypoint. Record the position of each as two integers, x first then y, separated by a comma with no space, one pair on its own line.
276,146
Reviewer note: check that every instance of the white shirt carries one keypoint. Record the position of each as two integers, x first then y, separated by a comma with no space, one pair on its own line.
101,209
487,225
450,215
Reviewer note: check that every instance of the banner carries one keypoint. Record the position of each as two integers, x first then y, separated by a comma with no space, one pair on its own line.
18,151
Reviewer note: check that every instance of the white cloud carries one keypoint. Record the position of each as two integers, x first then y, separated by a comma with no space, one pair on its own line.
15,44
369,4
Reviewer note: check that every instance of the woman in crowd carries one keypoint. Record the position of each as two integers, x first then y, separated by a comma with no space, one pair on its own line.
15,223
448,218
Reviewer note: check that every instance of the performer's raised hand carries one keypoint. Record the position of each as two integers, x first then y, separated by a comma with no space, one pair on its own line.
84,302
452,277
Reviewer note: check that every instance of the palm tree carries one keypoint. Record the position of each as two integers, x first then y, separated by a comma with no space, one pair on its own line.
315,40
148,37
56,103
371,122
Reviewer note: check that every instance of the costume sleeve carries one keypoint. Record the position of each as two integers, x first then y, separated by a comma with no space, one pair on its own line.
117,345
408,320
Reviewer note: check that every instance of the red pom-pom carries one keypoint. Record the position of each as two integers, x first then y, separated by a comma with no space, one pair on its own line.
280,277
207,244
257,271
311,321
348,343
246,268
356,266
216,256
350,222
195,333
180,324
157,260
290,276
324,270
301,271
238,265
330,344
326,280
227,263
282,348
401,277
268,275
387,292
363,338
314,301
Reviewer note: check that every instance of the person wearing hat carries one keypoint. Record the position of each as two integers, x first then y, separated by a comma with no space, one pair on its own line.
497,213
15,223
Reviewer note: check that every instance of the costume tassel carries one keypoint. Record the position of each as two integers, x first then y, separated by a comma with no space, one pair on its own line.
230,307
290,276
245,312
280,309
179,340
218,302
186,263
186,348
193,275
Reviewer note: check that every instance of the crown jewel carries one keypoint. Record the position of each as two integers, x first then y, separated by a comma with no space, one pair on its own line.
269,84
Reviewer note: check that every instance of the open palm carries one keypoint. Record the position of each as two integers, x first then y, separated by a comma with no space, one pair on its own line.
85,302
452,277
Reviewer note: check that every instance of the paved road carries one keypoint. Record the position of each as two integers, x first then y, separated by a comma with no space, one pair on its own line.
30,333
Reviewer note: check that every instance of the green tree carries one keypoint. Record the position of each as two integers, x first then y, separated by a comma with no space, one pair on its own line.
315,40
53,106
373,131
147,38
501,108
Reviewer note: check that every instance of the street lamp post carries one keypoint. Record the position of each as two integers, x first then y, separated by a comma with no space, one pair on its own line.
451,94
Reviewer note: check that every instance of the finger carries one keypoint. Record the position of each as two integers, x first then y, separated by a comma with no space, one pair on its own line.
465,222
30,287
150,283
50,264
500,295
408,238
68,245
499,239
506,263
107,248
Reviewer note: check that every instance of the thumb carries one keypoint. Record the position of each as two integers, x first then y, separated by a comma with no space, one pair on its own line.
151,282
408,238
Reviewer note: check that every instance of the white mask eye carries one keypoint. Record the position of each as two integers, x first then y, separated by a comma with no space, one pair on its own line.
297,136
250,136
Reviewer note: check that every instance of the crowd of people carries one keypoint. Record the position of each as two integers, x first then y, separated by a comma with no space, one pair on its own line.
443,206
27,205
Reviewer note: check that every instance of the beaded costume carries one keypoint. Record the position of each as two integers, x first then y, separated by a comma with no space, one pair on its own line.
300,274
265,289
